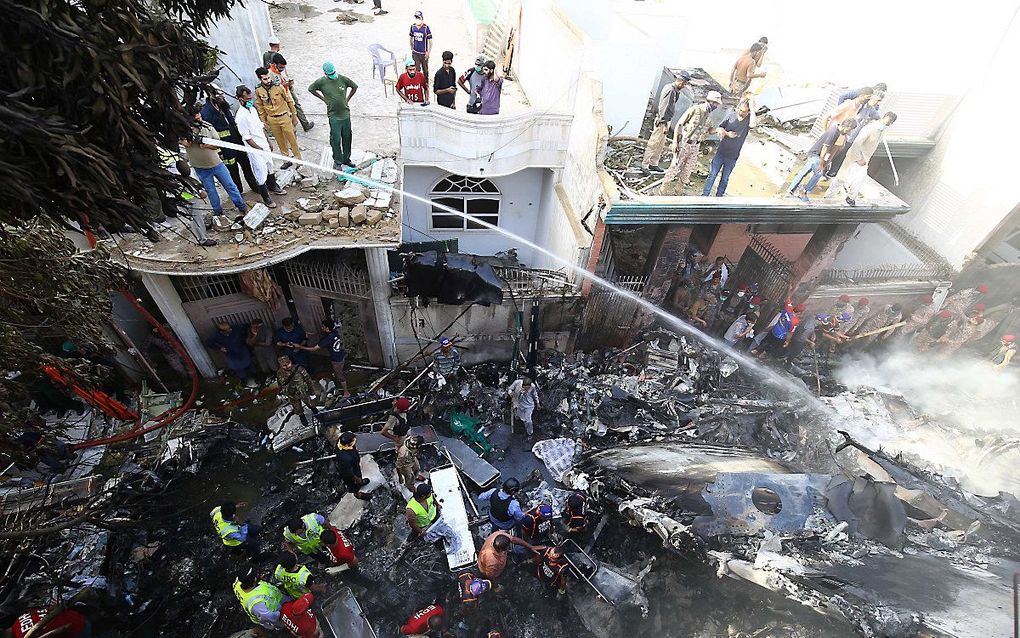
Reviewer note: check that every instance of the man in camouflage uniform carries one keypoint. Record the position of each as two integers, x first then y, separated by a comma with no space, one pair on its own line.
297,387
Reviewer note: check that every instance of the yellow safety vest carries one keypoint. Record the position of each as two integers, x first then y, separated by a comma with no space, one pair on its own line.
424,517
309,543
294,583
225,528
263,593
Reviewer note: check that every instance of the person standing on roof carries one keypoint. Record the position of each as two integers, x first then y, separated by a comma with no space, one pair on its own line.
733,132
444,85
663,120
259,599
274,48
209,166
690,131
447,358
505,511
851,175
412,86
471,81
252,132
336,91
278,72
819,156
524,399
425,516
420,38
490,90
744,70
278,112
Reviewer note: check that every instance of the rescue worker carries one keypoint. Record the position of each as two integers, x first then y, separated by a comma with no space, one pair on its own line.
552,571
1004,353
536,528
348,463
842,305
962,301
472,589
408,468
495,552
232,531
396,426
338,548
302,535
297,387
886,317
58,622
963,330
505,511
779,337
919,317
926,337
862,312
299,619
430,622
425,516
575,514
259,599
296,580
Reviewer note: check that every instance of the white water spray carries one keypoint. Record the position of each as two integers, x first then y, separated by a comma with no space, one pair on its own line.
768,375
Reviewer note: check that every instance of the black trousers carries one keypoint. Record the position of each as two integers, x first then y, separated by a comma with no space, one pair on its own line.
242,165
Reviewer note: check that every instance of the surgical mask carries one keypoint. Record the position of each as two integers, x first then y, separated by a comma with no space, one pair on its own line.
881,126
249,103
478,68
332,76
711,106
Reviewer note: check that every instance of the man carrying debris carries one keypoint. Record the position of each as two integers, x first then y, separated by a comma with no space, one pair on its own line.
259,599
304,535
447,358
233,531
396,426
425,516
663,119
524,399
495,552
296,580
336,91
331,344
297,387
299,619
505,512
690,130
348,463
552,571
230,341
1004,353
408,468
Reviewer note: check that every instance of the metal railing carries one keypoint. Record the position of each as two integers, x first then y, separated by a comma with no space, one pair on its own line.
889,272
206,286
338,278
532,280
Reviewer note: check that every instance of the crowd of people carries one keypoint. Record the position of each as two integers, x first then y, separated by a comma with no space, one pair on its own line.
702,297
281,596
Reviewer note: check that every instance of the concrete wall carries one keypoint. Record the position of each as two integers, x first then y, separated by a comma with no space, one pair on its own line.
521,212
732,239
242,38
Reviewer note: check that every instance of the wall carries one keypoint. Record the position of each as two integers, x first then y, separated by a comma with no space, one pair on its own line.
242,39
521,212
732,239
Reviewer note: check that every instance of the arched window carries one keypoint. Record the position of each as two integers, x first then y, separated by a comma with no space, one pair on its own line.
475,196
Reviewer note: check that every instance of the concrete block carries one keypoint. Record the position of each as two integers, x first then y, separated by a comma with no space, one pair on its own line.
310,219
332,221
359,214
350,196
374,216
257,214
310,204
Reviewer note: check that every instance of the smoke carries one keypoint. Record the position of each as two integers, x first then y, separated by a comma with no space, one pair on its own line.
956,415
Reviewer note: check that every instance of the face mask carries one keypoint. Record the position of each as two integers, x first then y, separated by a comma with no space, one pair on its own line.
250,103
411,72
711,107
881,126
332,76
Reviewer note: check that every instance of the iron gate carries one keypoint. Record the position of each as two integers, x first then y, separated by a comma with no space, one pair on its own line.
762,262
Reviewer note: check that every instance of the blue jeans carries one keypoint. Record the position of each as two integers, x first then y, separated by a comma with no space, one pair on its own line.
726,164
813,164
221,174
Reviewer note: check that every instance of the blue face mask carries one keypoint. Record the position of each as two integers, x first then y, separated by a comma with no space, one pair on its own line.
332,76
250,103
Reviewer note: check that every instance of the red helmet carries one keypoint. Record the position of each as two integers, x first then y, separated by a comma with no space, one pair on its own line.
1008,338
945,314
402,404
844,299
927,299
863,301
800,307
980,307
983,289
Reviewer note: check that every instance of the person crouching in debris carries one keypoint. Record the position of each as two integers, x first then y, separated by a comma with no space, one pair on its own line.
505,511
447,358
575,514
408,468
430,622
260,600
233,530
524,399
536,528
396,426
495,552
1004,353
348,464
297,387
296,580
552,571
472,589
299,619
425,516
304,535
338,548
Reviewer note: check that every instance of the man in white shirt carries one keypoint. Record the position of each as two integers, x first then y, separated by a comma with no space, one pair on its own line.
252,131
524,397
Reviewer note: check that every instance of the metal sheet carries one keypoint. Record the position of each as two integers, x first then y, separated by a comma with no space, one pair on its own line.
371,442
447,489
288,429
734,510
344,618
480,471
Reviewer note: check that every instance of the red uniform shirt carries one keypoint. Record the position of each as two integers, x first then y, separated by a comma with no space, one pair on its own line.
302,624
342,551
414,88
419,622
74,621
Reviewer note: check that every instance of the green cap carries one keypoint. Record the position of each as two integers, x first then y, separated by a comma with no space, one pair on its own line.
328,68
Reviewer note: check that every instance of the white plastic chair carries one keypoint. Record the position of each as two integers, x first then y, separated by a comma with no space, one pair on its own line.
381,59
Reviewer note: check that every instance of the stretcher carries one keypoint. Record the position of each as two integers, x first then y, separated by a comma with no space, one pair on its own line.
372,442
342,617
480,471
446,487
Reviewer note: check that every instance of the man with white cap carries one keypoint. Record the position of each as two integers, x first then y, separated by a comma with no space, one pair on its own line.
411,85
687,136
274,48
